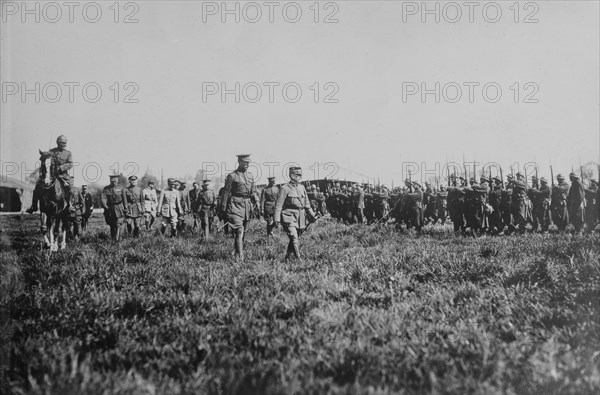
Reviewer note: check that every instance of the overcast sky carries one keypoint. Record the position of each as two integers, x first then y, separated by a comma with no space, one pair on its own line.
373,57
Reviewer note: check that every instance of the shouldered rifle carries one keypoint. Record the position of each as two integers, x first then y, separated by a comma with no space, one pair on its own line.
552,175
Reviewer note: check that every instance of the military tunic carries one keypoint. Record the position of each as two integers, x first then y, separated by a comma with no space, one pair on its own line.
238,196
558,205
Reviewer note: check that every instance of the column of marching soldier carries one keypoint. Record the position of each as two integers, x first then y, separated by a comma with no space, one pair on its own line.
489,206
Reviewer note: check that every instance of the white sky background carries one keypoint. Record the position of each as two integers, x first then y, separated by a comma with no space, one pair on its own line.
369,53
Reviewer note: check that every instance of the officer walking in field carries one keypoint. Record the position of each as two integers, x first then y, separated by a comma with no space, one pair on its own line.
239,198
268,196
150,204
170,207
135,204
293,210
114,203
194,203
206,206
88,207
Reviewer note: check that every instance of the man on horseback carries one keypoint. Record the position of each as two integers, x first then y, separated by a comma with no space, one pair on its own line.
64,163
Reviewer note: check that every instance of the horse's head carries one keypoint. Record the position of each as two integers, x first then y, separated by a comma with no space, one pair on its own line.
47,168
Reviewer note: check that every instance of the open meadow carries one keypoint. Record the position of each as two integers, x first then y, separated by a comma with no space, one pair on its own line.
368,310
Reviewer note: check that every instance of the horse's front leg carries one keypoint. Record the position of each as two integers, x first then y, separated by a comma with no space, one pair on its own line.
45,229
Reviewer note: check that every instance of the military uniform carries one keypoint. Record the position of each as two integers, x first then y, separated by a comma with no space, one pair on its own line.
194,203
412,207
291,210
170,207
114,202
540,199
441,203
576,202
150,205
135,204
520,204
239,197
456,200
206,204
591,205
76,212
185,206
88,208
268,197
558,205
476,197
495,217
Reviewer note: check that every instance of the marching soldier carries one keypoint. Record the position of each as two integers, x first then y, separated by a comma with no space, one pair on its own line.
456,202
194,203
591,205
505,206
540,199
206,202
268,197
412,206
150,204
239,196
114,203
576,202
495,217
170,207
291,209
64,161
558,205
135,205
520,204
88,207
441,204
475,202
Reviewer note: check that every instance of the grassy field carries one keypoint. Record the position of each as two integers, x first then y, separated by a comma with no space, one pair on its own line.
368,310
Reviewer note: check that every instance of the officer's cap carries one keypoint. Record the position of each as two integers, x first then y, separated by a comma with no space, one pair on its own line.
132,178
243,157
150,182
271,178
296,170
62,138
205,181
573,175
113,176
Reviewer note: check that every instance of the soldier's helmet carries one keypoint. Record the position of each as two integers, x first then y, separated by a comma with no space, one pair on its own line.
560,177
573,175
61,139
313,187
543,180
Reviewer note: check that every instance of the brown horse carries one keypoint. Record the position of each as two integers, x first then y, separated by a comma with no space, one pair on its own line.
53,203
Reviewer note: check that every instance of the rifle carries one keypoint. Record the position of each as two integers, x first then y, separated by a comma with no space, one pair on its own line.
448,172
536,175
501,177
410,185
490,171
552,175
